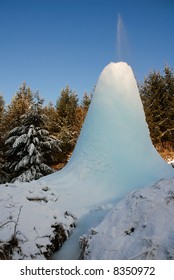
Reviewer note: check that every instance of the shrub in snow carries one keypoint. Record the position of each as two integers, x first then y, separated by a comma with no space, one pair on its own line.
29,146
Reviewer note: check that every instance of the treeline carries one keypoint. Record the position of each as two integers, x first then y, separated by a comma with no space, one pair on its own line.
157,93
36,139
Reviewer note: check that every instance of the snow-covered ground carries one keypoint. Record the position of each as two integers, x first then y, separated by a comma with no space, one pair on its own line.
140,226
29,217
113,156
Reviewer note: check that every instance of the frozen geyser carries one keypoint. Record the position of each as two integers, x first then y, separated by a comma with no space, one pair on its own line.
114,153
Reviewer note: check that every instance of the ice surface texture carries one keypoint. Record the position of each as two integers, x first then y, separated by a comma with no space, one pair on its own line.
114,152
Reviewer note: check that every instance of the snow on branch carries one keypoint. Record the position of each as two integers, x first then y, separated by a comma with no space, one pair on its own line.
23,162
31,149
21,139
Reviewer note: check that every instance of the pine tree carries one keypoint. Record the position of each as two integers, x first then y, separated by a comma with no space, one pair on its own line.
30,146
2,112
86,101
67,105
83,109
157,93
19,105
3,175
53,121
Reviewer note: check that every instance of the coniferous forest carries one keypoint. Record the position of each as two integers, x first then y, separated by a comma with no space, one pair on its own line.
37,139
157,94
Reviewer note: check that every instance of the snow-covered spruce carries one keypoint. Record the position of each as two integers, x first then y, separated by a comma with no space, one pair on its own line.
28,148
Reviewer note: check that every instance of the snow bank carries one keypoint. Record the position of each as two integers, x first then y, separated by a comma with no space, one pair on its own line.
140,226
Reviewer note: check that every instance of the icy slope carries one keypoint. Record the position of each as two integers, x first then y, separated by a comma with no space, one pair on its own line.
140,226
114,153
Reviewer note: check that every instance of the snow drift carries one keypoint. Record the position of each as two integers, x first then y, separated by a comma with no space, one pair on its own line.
114,153
145,230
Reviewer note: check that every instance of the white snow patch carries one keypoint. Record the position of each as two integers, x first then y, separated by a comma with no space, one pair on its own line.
28,211
140,226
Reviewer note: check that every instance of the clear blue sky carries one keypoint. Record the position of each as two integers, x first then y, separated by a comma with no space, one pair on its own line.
52,43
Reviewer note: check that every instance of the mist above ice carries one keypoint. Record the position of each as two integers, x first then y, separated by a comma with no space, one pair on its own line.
122,42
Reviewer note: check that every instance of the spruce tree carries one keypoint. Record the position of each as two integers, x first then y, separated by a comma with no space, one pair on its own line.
3,175
86,101
19,105
83,109
157,93
53,121
67,106
2,113
30,146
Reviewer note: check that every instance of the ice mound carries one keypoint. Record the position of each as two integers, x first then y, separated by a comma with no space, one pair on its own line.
114,152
